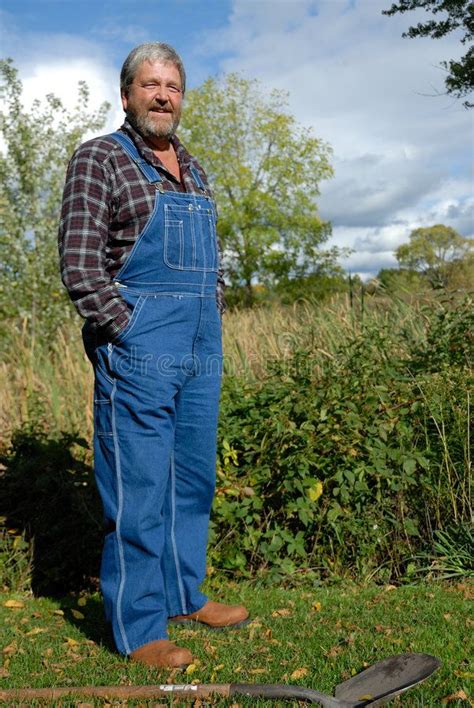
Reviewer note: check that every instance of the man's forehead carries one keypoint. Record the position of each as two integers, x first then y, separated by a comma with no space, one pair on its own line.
158,66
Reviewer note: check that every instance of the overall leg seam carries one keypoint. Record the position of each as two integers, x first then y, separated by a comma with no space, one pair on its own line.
118,525
173,538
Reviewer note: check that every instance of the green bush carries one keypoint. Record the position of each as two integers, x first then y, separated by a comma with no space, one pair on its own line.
351,463
347,467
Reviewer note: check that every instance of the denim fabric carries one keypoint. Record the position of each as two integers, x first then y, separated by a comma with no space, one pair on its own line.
156,402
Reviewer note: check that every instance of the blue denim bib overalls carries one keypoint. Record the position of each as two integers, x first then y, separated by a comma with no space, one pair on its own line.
156,400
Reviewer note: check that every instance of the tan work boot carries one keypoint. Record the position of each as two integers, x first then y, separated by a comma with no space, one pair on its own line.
216,615
163,654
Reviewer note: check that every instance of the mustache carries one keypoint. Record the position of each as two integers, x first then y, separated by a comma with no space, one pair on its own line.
158,107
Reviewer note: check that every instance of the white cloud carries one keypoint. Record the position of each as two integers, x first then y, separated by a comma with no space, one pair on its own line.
55,63
62,80
402,159
399,148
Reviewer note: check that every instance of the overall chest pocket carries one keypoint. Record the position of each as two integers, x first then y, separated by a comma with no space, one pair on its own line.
190,237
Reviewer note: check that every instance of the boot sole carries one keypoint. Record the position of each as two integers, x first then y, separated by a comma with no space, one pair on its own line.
236,625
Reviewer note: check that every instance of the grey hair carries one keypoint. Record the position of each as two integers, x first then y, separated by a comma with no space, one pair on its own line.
151,51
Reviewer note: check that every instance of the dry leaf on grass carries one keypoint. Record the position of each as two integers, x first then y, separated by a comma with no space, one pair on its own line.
316,606
258,671
283,612
71,642
299,673
77,615
458,696
14,604
36,630
10,649
333,651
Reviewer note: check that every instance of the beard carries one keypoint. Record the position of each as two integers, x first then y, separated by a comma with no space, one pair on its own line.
150,128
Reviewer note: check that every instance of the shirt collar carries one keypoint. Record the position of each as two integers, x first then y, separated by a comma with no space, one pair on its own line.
184,158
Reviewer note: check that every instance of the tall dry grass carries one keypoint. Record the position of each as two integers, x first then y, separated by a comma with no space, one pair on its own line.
53,380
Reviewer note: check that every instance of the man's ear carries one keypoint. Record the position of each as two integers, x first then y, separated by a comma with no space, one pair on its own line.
124,98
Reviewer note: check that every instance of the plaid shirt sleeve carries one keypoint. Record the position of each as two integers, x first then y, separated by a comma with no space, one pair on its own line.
83,235
106,204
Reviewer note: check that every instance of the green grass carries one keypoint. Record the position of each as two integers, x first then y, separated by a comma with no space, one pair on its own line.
331,632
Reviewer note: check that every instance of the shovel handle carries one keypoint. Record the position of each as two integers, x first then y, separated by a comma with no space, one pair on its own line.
185,691
190,691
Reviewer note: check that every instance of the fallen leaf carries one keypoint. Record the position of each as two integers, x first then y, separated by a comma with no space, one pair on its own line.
14,604
458,696
58,612
389,588
333,651
283,612
71,642
77,615
36,630
447,616
82,602
317,606
464,674
258,671
10,649
299,673
218,667
191,669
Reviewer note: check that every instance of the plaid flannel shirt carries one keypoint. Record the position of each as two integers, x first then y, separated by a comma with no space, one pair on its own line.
106,203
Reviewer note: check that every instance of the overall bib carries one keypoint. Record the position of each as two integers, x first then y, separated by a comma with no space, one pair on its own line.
156,400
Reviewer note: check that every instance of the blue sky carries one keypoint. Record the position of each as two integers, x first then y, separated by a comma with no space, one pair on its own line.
403,155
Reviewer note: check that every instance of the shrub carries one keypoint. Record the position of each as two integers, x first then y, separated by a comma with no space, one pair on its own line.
346,466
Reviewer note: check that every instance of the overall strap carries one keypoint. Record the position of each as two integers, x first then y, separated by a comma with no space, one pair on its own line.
197,177
150,172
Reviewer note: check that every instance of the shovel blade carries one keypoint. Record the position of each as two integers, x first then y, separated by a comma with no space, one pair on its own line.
387,678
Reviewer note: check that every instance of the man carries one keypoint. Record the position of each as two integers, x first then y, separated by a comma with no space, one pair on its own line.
140,259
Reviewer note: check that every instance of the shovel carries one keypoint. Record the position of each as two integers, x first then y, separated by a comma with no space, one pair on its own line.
372,687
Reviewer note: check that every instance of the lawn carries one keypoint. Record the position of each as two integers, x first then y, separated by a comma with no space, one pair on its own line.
315,637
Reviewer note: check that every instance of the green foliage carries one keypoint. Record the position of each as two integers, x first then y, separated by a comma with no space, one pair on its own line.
452,555
345,457
346,467
38,145
457,14
398,281
265,170
434,250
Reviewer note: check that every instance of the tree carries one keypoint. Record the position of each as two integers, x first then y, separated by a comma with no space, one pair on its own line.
37,146
434,250
459,14
265,171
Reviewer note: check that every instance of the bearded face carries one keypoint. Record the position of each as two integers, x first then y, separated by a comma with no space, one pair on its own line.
154,99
